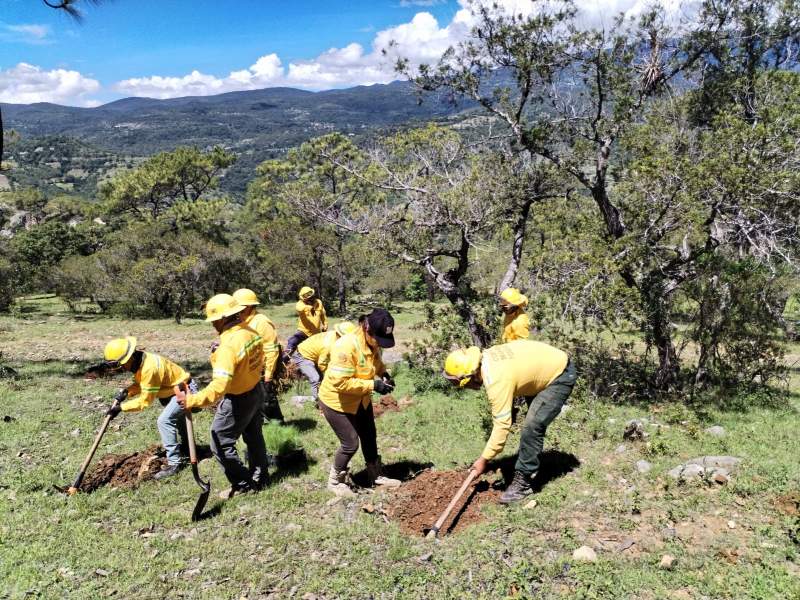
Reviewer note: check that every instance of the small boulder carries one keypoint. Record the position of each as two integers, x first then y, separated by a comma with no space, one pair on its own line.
621,449
687,472
585,554
642,466
634,430
667,562
299,401
716,462
716,431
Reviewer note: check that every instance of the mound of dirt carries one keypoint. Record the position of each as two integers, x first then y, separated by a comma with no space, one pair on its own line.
418,503
125,470
388,403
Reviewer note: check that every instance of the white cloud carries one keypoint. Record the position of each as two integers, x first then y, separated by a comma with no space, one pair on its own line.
421,40
26,34
26,83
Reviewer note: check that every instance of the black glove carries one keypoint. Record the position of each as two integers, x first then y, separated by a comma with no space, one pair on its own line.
114,410
121,395
388,379
381,387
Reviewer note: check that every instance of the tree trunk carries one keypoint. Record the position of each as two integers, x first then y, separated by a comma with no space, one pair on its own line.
658,329
519,230
341,290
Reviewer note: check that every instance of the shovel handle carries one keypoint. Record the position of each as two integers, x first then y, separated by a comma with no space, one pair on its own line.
443,517
79,478
180,391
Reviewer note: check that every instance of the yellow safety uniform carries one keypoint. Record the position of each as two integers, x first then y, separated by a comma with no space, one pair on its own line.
317,348
348,381
265,328
154,379
236,364
518,368
516,326
311,318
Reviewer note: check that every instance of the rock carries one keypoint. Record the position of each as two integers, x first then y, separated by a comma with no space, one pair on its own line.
716,431
621,449
299,401
668,533
731,524
293,527
425,557
368,508
75,432
625,544
721,477
722,462
634,431
686,472
667,562
102,572
530,505
565,409
642,466
333,501
585,554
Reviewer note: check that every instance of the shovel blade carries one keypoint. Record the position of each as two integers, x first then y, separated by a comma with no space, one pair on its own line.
197,513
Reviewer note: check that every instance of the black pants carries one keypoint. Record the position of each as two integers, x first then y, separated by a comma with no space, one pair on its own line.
293,342
237,416
350,429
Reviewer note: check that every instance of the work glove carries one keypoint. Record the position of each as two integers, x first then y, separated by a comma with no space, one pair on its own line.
381,387
114,410
121,395
388,379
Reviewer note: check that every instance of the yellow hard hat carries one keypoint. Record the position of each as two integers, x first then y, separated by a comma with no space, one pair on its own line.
462,364
344,328
513,297
120,350
306,292
220,306
246,297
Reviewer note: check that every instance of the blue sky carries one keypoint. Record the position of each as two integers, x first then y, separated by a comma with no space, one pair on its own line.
170,48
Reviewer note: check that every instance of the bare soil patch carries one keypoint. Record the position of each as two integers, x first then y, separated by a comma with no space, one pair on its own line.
125,470
388,403
788,504
418,503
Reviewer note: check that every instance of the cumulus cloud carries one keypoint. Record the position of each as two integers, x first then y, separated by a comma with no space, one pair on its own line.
26,34
421,40
27,83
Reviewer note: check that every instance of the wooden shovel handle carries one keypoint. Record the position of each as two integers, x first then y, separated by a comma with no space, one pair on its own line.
181,390
79,479
440,521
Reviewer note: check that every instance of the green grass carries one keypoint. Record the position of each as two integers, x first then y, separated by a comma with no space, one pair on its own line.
291,537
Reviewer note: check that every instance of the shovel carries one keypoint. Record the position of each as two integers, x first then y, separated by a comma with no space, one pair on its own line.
73,489
204,485
433,531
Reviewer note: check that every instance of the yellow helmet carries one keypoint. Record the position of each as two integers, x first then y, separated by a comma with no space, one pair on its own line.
246,297
513,297
120,350
306,292
344,328
462,364
220,306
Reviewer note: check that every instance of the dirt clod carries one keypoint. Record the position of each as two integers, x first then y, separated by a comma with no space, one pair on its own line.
788,504
388,403
419,502
125,470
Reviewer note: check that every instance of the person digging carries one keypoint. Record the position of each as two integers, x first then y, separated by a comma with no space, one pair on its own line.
237,391
354,373
154,377
516,324
313,355
544,375
265,328
311,318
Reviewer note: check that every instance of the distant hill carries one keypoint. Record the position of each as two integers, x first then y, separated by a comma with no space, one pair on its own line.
257,124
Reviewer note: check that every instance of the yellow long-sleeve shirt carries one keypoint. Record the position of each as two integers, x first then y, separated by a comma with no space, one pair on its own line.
317,348
311,318
237,365
516,326
154,379
265,328
518,368
348,381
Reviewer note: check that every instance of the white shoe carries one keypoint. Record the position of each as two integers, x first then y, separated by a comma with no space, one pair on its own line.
337,483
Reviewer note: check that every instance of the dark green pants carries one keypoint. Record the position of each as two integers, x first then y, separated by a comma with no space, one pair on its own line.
542,409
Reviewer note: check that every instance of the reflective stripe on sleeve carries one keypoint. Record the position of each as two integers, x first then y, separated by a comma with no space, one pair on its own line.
248,345
502,415
222,373
342,370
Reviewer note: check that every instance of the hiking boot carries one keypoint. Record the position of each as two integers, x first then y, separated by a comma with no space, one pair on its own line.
376,479
169,471
230,492
337,483
519,489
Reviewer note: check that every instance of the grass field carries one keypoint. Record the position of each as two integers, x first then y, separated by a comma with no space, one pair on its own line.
730,541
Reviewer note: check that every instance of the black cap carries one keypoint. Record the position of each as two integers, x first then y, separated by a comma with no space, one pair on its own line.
381,327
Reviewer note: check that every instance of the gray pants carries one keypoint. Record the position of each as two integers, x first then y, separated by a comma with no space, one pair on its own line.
309,371
240,415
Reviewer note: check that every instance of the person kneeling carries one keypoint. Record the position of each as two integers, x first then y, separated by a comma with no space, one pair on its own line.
544,375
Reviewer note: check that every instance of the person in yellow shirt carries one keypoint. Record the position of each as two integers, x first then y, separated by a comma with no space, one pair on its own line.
356,371
237,391
311,318
153,378
544,375
272,349
313,355
516,324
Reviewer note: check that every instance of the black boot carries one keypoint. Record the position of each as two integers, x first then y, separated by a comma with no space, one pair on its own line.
169,471
519,489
